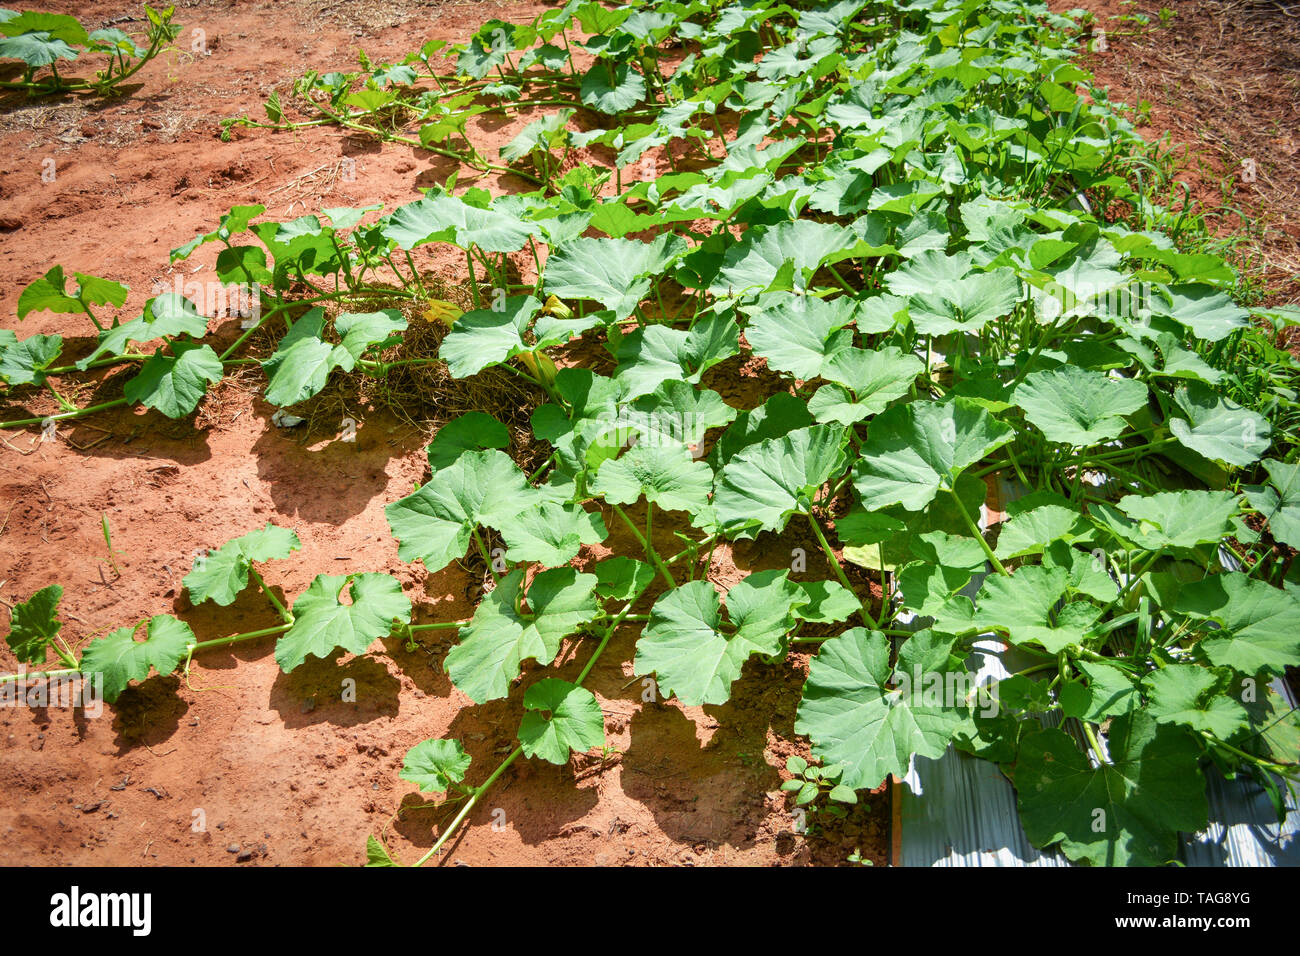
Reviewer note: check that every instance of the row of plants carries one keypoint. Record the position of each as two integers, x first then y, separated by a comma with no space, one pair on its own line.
895,210
38,41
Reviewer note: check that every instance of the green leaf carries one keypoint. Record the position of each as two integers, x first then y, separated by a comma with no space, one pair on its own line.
502,634
853,718
472,431
36,49
1262,623
914,451
59,25
755,263
175,384
1279,501
490,336
1169,519
656,354
766,483
967,304
303,361
871,380
827,602
221,574
444,218
800,334
1078,406
120,658
1194,697
34,624
623,578
1108,693
613,94
164,317
1128,812
665,474
552,534
1210,314
560,717
781,414
1218,428
360,332
1030,532
613,272
377,853
678,414
435,765
1023,606
435,523
25,362
322,622
695,653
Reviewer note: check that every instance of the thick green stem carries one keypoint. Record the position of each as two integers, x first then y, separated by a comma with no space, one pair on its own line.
645,545
978,534
469,805
279,608
63,416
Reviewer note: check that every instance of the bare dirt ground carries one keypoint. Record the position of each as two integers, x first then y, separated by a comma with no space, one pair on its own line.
1218,82
282,769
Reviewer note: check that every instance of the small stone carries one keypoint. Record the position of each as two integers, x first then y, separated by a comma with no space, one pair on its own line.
233,848
243,856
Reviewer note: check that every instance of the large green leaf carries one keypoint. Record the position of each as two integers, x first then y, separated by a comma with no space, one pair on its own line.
322,623
221,574
552,534
34,623
303,361
120,658
175,384
445,218
1078,406
755,263
1194,697
435,523
612,94
1128,812
856,719
695,653
664,473
559,717
613,272
165,316
800,334
913,451
473,431
1279,501
766,483
1219,428
866,382
1260,624
1169,519
490,336
25,362
1209,313
658,353
503,634
966,304
1024,607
